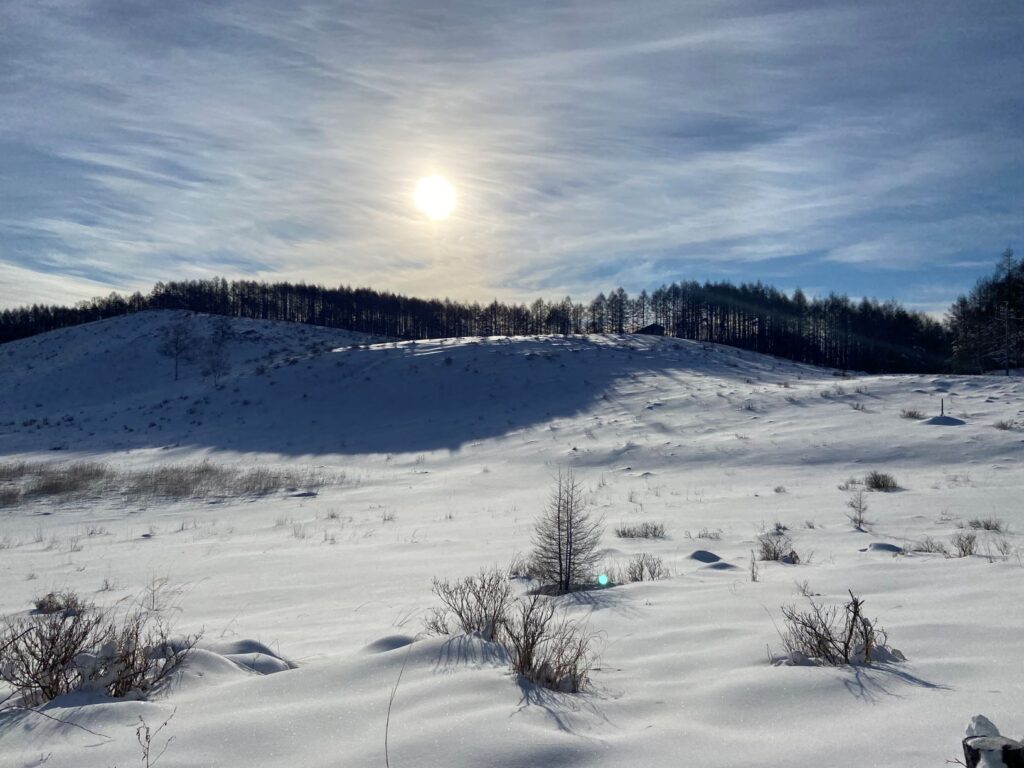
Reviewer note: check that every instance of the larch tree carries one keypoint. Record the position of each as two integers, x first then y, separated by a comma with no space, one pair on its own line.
566,537
177,342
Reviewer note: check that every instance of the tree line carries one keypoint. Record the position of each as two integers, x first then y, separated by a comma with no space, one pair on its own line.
986,326
866,335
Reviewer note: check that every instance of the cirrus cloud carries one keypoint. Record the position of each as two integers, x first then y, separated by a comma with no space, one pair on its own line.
591,144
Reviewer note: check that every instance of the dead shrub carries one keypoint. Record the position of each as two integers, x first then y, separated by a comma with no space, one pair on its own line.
476,604
706,533
911,413
645,567
37,653
930,545
777,545
45,655
547,648
59,602
519,567
831,635
1002,546
993,524
139,654
645,530
965,544
9,497
880,481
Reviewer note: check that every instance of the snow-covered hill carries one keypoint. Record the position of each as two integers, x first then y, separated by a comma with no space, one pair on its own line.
302,390
119,359
447,449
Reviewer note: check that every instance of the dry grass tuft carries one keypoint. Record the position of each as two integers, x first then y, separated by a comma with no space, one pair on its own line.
880,481
645,530
36,480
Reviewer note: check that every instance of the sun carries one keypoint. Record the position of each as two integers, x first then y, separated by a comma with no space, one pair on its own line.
435,197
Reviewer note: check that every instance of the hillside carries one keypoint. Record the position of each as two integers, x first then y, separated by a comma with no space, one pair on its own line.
101,385
439,455
297,390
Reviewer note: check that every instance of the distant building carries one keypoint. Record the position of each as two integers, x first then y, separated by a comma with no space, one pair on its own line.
653,330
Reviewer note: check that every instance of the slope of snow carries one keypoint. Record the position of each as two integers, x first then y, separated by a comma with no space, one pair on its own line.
113,366
447,449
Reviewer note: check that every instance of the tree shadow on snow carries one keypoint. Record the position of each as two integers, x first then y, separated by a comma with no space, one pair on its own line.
869,684
602,598
594,597
21,718
561,708
469,651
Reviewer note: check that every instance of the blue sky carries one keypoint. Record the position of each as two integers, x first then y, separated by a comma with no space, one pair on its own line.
869,148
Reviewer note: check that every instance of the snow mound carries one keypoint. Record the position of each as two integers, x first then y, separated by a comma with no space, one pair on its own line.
881,654
259,663
388,643
885,654
203,668
881,546
703,556
219,663
239,647
253,656
719,566
944,421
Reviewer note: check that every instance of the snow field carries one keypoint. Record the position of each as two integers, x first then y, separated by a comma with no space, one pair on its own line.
447,451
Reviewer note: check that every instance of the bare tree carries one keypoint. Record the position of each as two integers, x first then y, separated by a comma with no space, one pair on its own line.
216,362
178,342
858,505
222,331
566,537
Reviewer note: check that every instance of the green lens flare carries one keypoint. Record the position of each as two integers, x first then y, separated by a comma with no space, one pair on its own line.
603,579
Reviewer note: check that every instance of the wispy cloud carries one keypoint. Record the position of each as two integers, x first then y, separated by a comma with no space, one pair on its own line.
590,144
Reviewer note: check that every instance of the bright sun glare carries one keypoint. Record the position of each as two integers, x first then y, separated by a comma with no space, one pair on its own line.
435,197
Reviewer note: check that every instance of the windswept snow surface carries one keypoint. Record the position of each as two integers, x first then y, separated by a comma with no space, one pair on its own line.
312,606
